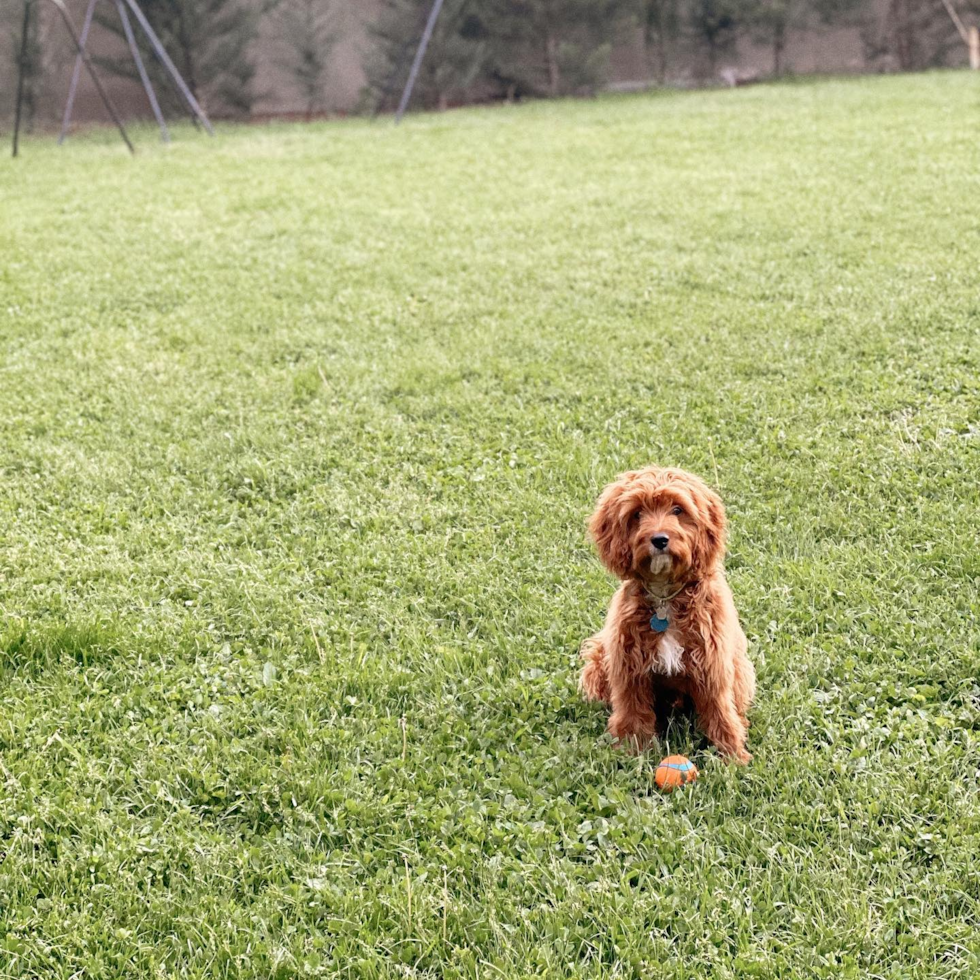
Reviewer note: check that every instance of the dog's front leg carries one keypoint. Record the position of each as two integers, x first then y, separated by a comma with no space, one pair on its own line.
720,721
633,721
593,681
716,696
722,725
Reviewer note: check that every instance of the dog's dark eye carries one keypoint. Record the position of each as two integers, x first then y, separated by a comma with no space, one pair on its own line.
635,516
677,511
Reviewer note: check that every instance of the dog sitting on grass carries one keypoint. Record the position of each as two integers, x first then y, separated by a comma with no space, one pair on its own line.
672,630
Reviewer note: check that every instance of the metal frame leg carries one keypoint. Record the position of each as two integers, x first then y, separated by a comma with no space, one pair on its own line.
141,68
21,71
161,53
430,26
106,101
76,72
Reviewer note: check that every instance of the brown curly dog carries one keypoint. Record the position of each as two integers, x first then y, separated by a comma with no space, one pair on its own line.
672,630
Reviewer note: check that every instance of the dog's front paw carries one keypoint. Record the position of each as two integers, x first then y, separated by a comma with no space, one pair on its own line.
631,734
592,682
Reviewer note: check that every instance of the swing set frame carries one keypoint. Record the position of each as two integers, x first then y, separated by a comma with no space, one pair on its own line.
80,42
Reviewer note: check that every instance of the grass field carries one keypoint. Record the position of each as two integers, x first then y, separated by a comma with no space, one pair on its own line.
299,431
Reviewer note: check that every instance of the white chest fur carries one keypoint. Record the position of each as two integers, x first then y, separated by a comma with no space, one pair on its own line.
670,656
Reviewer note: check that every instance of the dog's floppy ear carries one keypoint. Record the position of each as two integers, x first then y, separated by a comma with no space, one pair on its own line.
609,532
714,529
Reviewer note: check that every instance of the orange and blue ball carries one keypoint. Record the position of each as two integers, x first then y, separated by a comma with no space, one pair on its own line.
674,771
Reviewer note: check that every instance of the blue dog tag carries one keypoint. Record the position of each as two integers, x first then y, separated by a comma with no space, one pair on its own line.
658,625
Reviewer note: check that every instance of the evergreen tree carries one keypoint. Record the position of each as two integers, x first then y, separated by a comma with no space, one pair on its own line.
714,24
912,35
208,40
772,21
919,35
454,63
12,25
307,32
661,24
553,47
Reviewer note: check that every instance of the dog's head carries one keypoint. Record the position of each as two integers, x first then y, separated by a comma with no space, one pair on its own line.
659,525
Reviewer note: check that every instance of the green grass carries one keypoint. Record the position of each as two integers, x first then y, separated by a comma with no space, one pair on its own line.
299,431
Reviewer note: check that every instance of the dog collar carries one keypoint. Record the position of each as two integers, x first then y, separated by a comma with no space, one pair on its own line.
660,620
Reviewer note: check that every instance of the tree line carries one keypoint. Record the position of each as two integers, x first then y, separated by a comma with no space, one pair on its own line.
507,48
500,49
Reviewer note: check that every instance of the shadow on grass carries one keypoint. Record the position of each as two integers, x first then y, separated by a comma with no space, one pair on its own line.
34,649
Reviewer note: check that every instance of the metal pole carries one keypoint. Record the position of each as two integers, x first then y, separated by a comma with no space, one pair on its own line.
430,26
140,67
22,70
76,72
161,53
955,17
106,101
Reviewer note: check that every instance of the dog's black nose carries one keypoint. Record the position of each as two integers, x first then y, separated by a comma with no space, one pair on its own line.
660,542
